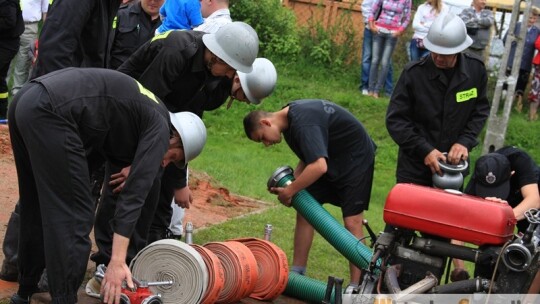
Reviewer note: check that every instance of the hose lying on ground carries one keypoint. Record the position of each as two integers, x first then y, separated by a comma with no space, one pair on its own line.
176,261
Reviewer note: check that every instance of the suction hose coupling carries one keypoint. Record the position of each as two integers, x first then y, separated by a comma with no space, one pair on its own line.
278,177
517,257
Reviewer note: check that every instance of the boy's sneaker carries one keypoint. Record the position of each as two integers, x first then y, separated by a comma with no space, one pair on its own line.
365,92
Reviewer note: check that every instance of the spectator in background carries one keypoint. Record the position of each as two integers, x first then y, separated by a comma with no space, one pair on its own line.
478,20
134,25
526,58
387,21
33,11
423,18
215,13
180,15
11,28
534,93
366,54
75,35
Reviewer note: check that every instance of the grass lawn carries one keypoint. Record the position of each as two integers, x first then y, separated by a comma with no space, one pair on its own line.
244,167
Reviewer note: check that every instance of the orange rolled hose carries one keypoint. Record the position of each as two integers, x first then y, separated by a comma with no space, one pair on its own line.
216,276
273,268
240,269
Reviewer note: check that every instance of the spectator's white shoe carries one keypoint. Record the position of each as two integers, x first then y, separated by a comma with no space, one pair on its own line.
365,92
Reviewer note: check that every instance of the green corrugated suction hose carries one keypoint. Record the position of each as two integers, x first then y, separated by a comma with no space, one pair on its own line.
326,225
323,222
307,289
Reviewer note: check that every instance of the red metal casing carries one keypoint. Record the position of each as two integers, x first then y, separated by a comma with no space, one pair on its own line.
455,216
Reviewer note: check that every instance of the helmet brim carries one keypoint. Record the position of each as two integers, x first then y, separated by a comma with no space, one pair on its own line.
445,50
178,127
247,92
210,42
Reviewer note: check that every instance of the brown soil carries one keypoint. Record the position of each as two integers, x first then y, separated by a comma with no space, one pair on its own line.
211,205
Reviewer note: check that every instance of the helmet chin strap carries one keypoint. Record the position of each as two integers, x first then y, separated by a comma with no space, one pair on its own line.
211,62
231,99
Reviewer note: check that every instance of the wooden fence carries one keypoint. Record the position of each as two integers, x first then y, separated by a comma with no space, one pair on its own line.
328,13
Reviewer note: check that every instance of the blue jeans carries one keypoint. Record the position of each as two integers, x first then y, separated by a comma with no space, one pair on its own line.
382,48
366,64
417,53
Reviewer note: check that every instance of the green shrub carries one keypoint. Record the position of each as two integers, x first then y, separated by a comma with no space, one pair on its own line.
334,46
275,25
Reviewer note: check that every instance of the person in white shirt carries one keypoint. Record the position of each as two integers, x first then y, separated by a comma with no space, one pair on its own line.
215,13
423,18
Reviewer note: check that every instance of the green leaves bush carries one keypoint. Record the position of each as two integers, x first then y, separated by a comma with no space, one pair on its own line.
275,25
333,46
282,38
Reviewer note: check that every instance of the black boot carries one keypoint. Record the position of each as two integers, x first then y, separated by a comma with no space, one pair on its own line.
10,271
16,299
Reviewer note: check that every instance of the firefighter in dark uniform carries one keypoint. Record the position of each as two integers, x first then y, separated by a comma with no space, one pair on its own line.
11,28
507,175
439,105
134,25
189,71
75,35
58,137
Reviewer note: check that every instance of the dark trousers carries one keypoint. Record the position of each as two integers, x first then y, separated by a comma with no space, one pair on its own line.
8,50
103,232
56,207
162,218
10,246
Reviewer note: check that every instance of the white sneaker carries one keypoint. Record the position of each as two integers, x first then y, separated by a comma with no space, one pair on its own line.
92,288
365,92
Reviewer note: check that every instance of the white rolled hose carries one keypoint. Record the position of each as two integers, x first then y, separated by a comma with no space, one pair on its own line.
176,261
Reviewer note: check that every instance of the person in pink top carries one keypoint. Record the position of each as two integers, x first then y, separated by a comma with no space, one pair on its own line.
388,21
534,93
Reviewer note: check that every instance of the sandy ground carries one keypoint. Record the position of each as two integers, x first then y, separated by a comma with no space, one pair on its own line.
211,205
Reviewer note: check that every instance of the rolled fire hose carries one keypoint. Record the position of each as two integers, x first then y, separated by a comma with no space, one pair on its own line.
272,266
176,261
240,268
216,274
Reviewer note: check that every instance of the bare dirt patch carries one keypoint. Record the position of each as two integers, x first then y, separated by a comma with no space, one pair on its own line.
212,204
